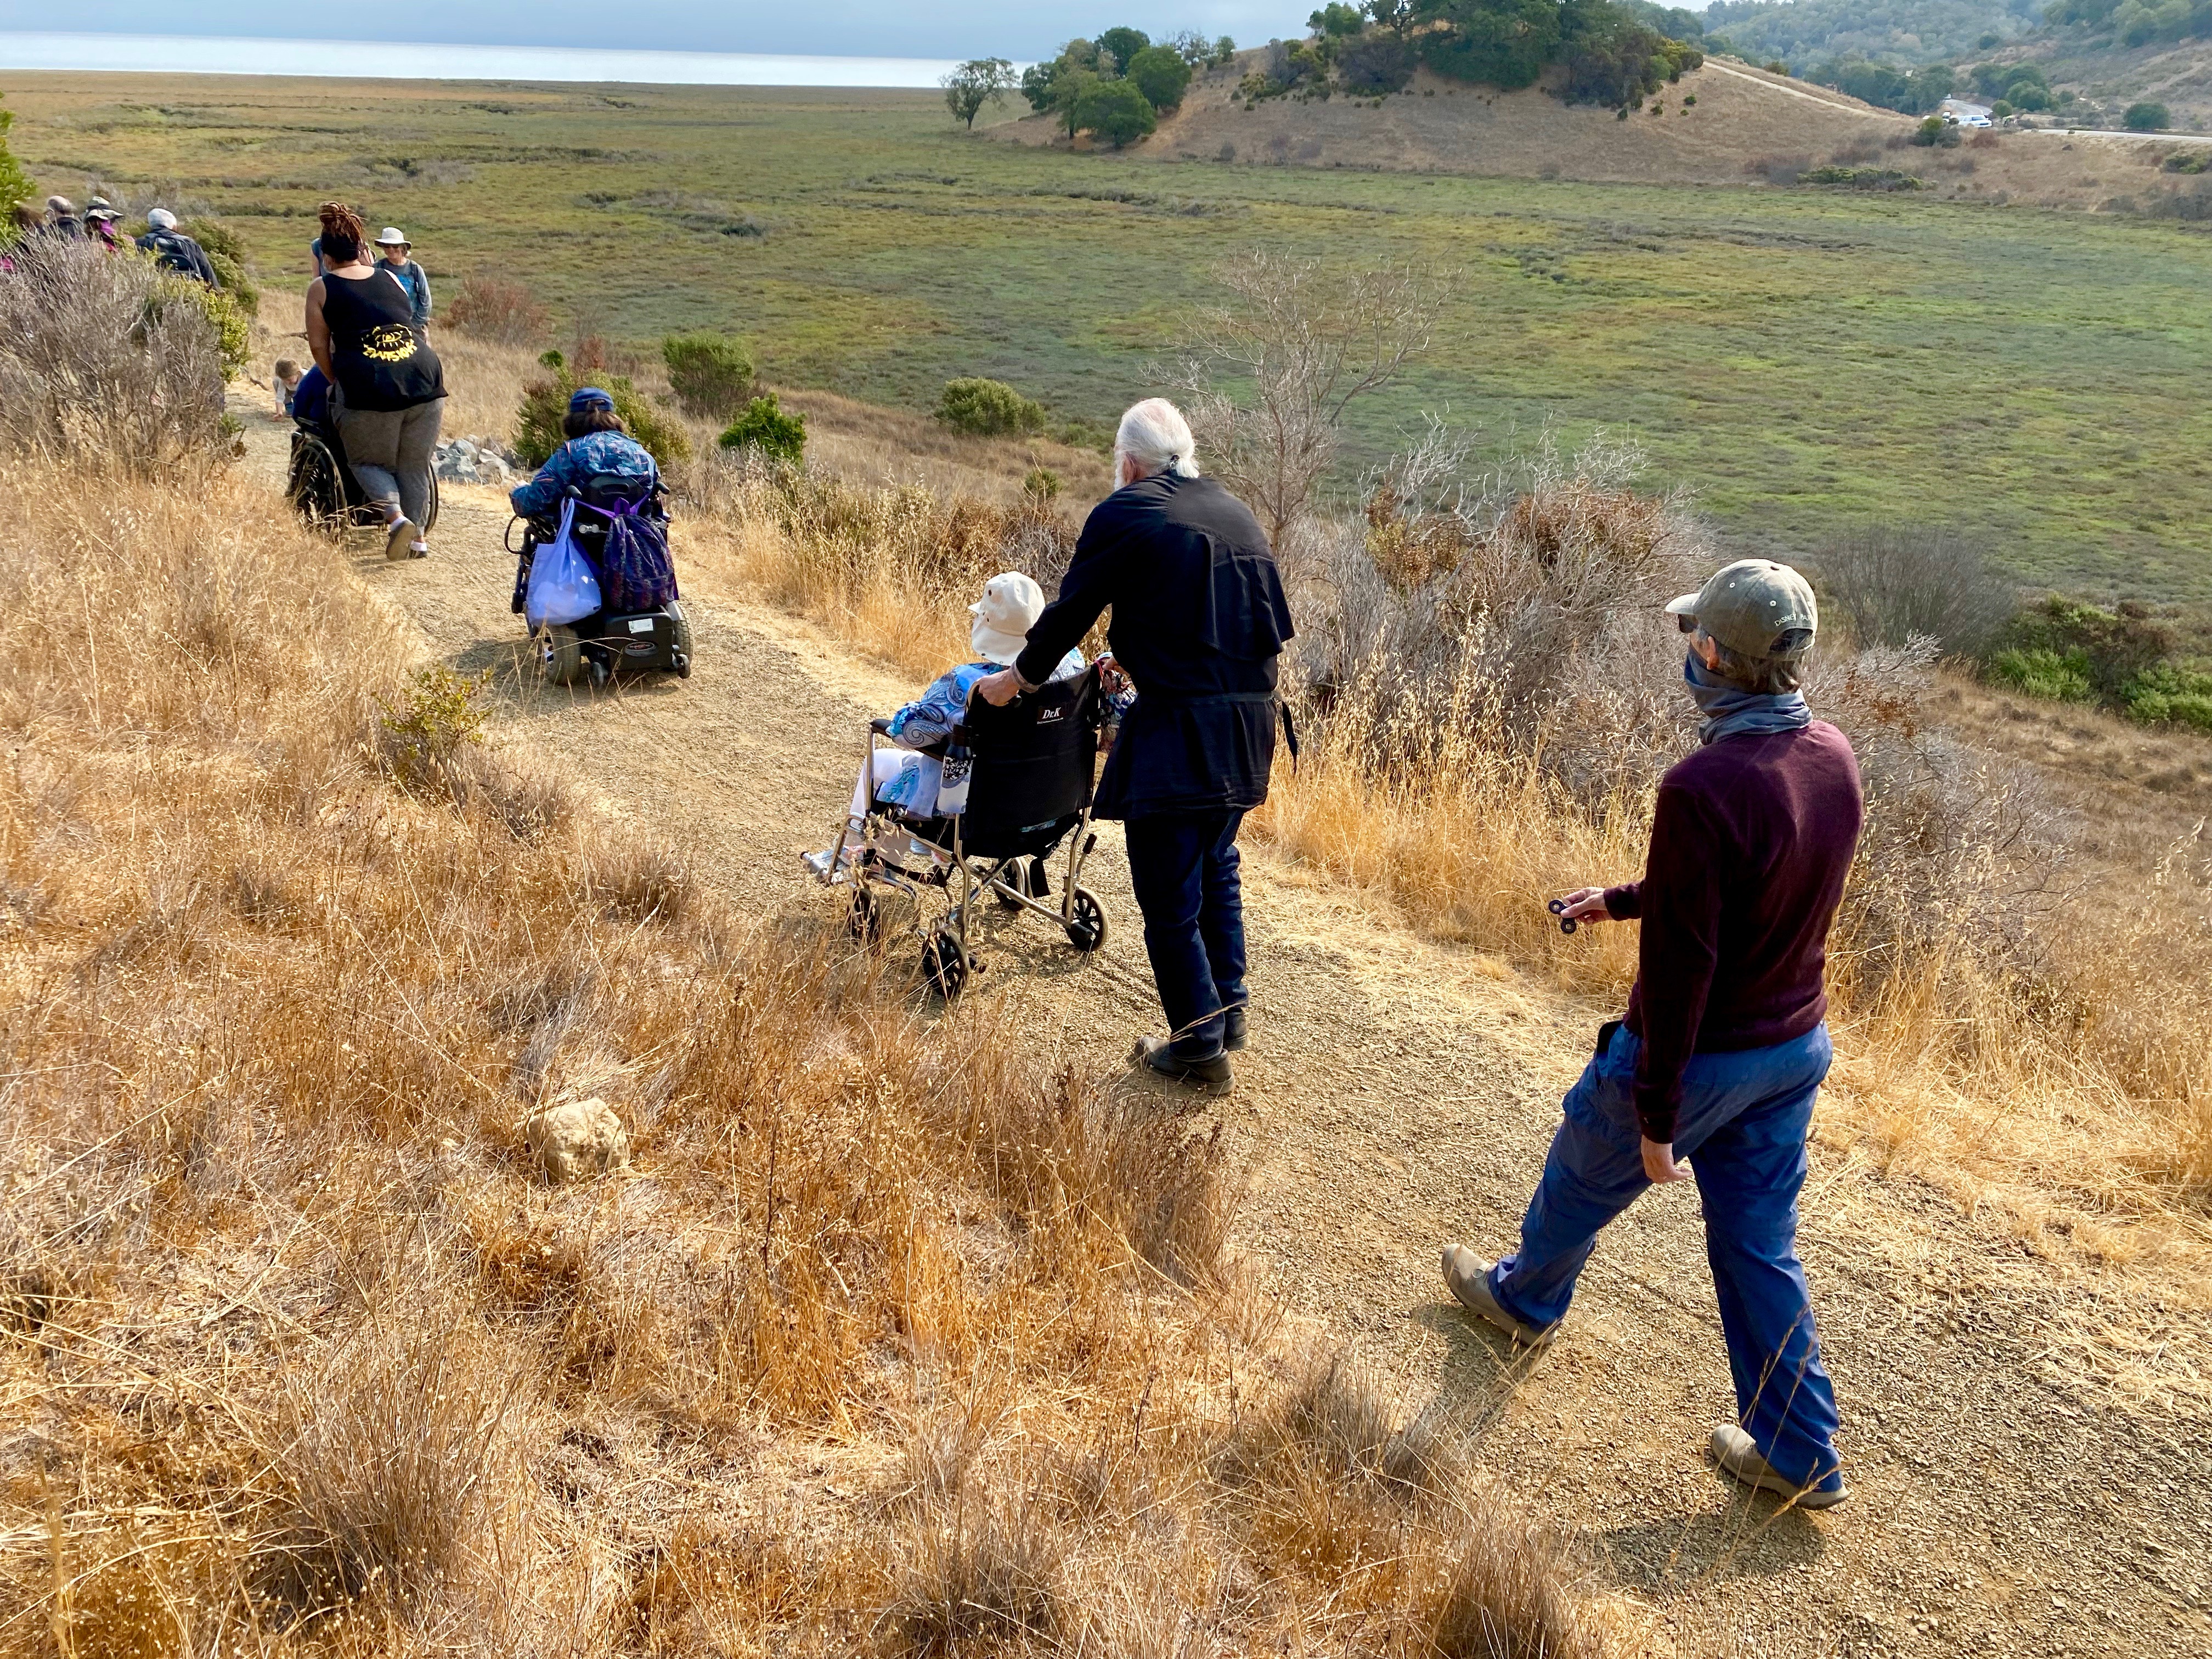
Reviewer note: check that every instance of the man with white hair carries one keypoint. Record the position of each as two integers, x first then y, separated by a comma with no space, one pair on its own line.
1725,1043
1199,621
61,218
176,250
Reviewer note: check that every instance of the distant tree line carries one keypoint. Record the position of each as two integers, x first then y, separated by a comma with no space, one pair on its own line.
1900,33
1116,88
1613,51
2136,22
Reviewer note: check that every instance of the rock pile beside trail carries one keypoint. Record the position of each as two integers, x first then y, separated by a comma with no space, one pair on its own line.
478,461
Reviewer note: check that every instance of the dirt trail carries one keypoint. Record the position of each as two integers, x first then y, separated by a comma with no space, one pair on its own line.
1396,1097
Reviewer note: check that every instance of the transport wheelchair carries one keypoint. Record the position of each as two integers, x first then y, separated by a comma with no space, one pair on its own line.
322,490
657,639
1033,763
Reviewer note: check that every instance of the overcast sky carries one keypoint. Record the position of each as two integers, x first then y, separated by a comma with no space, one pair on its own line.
1020,29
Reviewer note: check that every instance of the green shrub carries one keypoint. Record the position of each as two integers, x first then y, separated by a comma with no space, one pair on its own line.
711,374
1113,111
1161,75
2000,109
15,185
767,429
222,308
227,255
545,405
1040,482
2167,692
1937,130
438,714
2040,672
2147,117
1861,177
988,409
2189,161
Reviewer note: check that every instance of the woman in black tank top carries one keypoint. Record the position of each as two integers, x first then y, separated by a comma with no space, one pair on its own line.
381,361
388,388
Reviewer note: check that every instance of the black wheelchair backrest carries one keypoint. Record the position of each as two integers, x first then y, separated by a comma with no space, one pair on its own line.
605,491
1034,759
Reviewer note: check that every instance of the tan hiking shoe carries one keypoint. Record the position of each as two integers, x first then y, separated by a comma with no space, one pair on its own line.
1735,1452
1468,1276
397,534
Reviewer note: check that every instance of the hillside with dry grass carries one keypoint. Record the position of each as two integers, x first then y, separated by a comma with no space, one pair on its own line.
1726,123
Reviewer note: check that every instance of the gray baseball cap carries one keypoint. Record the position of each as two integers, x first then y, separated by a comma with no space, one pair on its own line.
1755,607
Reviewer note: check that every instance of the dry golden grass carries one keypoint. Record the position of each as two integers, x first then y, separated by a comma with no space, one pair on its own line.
883,1343
2004,1026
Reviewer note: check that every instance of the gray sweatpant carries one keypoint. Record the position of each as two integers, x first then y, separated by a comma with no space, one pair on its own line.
390,450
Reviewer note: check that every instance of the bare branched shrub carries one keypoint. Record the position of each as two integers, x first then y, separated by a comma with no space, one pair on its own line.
1897,585
497,309
108,362
1302,340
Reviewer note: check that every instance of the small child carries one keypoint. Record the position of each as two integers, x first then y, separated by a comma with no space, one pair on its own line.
285,382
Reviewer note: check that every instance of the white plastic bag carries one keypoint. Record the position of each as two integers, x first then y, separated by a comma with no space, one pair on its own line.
562,588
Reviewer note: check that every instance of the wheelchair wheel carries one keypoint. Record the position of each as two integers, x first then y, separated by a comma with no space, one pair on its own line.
1087,931
1024,876
682,639
944,965
312,486
431,512
560,654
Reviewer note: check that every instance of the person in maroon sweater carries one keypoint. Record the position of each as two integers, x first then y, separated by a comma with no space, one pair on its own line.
1724,1046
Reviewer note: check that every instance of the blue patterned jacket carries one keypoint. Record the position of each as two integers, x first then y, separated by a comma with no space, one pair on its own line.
575,463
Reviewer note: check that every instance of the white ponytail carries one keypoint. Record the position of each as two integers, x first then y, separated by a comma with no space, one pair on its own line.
1154,434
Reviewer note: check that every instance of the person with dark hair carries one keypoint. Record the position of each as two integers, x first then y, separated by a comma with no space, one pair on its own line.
1725,1044
597,445
389,389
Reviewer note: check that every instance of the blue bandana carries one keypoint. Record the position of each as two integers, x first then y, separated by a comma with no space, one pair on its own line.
1732,711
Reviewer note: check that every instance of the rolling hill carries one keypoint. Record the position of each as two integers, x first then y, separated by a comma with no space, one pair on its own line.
1726,123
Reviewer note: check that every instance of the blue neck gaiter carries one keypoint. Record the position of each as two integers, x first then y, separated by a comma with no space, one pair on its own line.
1731,712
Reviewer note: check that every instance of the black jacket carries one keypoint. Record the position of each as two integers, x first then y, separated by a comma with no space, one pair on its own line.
1199,621
181,254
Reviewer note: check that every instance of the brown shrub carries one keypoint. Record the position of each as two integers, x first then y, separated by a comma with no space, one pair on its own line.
109,363
500,309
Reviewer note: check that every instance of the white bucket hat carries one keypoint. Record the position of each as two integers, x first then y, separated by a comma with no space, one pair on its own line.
1010,606
391,236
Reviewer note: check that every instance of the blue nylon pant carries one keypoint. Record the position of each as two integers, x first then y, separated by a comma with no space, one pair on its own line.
1743,1126
1183,870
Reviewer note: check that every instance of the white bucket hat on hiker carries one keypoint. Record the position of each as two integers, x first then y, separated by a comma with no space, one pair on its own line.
1010,606
393,236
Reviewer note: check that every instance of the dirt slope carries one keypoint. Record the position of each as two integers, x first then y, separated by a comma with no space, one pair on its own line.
1400,1094
1746,125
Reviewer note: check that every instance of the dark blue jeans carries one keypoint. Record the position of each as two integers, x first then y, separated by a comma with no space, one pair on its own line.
1183,867
1743,1126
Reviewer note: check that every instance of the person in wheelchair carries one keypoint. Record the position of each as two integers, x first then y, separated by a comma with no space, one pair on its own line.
597,446
906,778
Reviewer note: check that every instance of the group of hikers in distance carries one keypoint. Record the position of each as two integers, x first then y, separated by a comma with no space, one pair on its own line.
102,222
